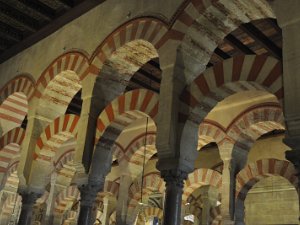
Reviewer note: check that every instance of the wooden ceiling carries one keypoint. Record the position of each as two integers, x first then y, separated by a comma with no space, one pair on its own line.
258,37
25,22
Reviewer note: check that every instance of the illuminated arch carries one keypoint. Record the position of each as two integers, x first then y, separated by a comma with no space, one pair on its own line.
199,178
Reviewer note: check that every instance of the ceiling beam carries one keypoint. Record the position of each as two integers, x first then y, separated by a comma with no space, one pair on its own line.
5,42
45,11
142,84
221,54
18,17
274,24
236,43
70,3
262,39
10,33
67,3
209,64
142,72
47,30
73,111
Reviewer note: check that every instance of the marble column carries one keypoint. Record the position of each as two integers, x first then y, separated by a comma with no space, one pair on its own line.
228,182
226,193
122,204
240,213
173,195
28,201
88,194
51,200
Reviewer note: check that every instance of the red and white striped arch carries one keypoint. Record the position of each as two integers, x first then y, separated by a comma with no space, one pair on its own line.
254,172
250,125
152,182
199,178
127,108
241,73
210,132
60,130
23,83
65,159
10,150
14,136
146,28
14,97
118,151
260,118
135,150
149,212
238,74
66,196
204,17
64,167
71,61
9,204
10,177
13,111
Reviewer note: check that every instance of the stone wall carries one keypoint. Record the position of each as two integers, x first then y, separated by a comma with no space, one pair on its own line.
272,201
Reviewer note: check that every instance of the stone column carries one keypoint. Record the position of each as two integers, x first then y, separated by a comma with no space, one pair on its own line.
288,18
28,201
51,200
173,195
228,182
226,195
88,194
240,214
122,204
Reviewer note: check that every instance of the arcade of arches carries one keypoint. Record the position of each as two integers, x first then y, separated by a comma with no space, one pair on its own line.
156,112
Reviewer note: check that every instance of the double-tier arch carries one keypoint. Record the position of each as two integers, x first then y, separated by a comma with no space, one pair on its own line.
238,74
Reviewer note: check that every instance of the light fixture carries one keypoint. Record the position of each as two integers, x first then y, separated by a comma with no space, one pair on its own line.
189,217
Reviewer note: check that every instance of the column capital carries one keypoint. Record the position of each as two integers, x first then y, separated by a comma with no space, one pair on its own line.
166,164
174,177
